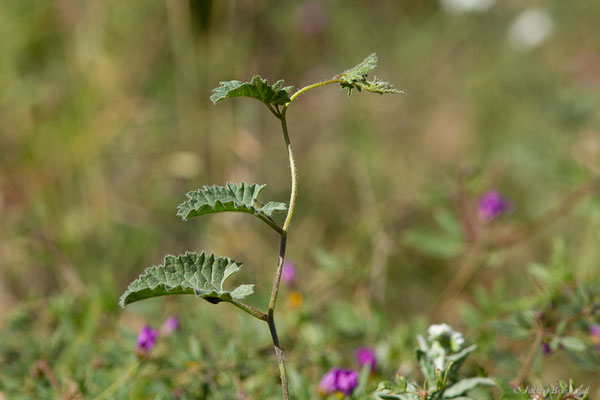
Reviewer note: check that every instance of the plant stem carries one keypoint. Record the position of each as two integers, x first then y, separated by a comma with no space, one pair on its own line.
530,358
309,87
294,190
278,354
250,310
283,233
269,221
282,246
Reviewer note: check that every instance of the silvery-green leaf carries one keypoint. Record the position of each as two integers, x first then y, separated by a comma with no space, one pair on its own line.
356,78
230,198
257,88
573,343
191,273
463,386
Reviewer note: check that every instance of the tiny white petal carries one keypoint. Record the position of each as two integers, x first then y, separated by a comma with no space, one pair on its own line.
438,330
456,341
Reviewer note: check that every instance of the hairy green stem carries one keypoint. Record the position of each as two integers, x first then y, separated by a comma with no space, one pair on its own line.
278,354
281,258
278,271
270,318
294,190
309,87
269,221
250,310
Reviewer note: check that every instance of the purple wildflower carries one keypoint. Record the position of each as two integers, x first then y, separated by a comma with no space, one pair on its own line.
288,273
594,330
366,356
146,339
492,205
170,325
546,350
339,380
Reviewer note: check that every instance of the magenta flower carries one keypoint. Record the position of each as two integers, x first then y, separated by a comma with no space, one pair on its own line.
366,356
492,205
338,380
146,339
288,273
546,350
170,325
594,330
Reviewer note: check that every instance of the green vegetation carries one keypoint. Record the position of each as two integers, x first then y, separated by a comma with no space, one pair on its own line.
107,120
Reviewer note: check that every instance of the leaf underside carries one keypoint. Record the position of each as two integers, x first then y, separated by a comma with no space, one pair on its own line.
236,198
356,78
257,88
191,273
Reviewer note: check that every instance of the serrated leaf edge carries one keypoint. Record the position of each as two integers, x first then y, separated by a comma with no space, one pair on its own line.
222,295
280,93
262,211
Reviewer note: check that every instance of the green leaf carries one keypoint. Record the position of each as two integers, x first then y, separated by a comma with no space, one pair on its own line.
461,387
363,380
449,223
234,198
257,88
461,355
191,273
356,78
572,343
360,71
433,244
399,390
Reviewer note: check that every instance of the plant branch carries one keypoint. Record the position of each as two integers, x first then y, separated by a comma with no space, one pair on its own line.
309,87
256,313
282,246
269,221
278,354
276,113
294,189
524,372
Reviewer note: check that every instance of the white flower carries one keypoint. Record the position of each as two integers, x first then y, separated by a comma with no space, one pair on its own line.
456,342
435,331
530,29
462,6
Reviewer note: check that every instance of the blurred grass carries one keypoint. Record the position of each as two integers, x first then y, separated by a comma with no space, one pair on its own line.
106,123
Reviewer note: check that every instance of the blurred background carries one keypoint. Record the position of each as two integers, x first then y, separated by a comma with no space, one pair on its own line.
106,123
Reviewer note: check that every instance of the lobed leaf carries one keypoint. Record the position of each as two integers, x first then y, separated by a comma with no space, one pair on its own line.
191,273
356,78
257,88
232,198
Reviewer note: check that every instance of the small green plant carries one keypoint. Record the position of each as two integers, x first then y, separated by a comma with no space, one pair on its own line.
204,274
439,356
